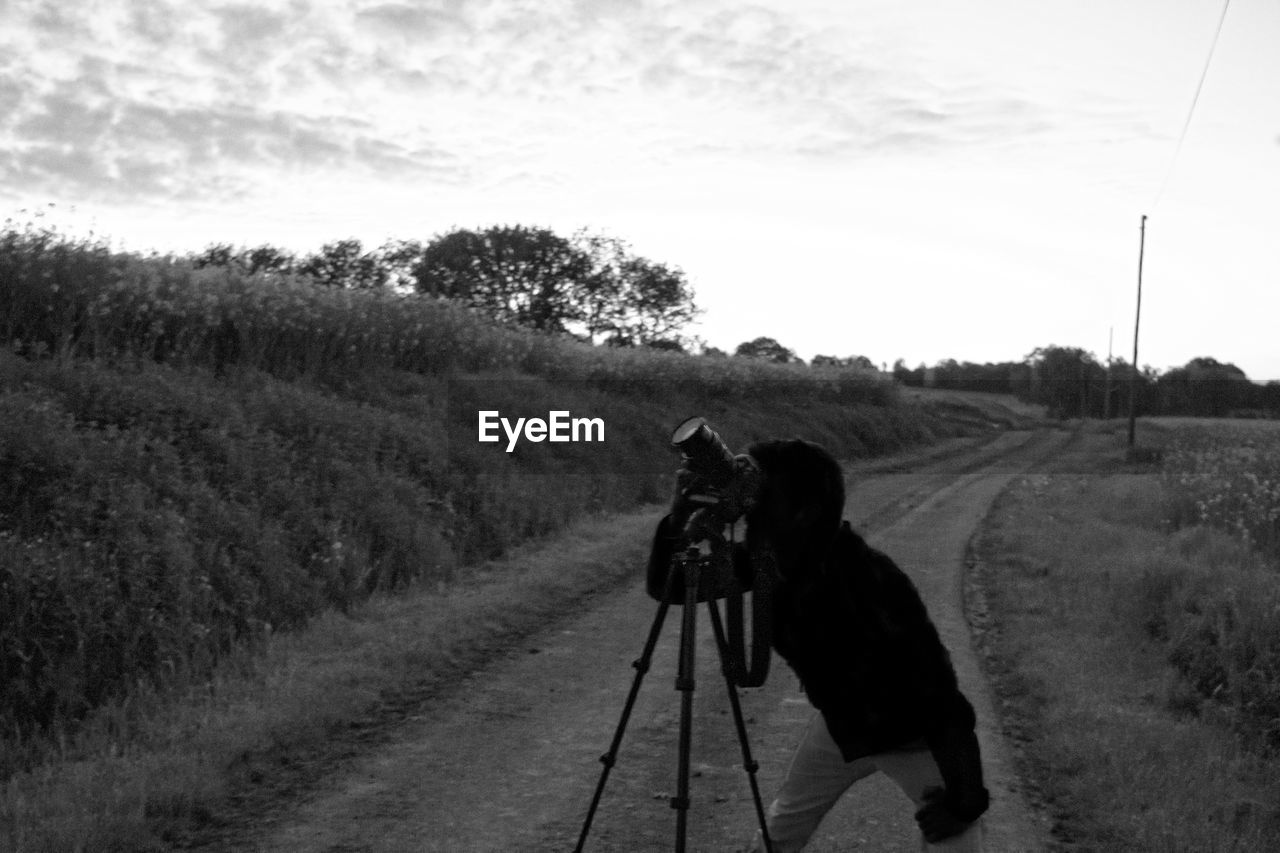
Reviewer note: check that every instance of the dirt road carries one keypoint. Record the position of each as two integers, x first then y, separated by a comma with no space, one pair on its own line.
507,759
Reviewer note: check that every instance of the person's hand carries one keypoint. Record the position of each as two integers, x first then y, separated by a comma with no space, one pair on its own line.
691,494
937,822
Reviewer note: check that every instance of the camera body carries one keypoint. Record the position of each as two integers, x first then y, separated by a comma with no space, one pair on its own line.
705,454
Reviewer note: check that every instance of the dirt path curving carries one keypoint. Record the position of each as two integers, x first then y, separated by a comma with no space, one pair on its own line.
506,759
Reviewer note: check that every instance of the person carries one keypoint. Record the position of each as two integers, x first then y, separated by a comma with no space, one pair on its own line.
852,626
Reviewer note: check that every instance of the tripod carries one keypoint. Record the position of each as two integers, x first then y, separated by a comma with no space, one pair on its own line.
693,564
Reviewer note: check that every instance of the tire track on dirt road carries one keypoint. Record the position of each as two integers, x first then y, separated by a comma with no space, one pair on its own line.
507,757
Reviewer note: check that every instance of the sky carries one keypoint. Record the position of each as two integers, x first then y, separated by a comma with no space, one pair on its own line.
914,179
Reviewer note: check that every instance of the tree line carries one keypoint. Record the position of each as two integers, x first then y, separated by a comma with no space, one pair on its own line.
595,288
1072,382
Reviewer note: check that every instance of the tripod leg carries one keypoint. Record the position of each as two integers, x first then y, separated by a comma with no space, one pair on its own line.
685,684
641,666
748,763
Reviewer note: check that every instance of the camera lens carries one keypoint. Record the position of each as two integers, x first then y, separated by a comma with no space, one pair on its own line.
687,430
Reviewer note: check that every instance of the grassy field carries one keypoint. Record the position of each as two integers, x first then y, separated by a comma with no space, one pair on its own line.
1135,647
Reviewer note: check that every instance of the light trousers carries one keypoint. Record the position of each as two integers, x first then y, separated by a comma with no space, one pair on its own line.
819,775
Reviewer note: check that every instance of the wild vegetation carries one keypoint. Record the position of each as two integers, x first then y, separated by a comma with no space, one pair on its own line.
1136,645
1224,632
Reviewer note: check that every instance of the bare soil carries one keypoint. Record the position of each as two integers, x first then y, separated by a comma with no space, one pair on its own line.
504,756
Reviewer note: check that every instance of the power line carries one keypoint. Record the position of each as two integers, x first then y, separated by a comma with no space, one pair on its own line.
1194,100
1133,384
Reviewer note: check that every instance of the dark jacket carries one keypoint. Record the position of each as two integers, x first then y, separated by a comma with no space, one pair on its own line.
854,629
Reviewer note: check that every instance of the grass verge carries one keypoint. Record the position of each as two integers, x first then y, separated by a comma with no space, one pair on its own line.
1083,598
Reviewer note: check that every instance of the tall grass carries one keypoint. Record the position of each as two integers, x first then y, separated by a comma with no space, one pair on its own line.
153,518
1224,631
193,459
75,297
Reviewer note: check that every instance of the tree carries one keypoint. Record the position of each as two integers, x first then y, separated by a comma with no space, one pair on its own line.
654,303
216,255
600,293
344,263
861,362
264,258
1267,399
398,258
906,375
516,274
766,348
1204,387
1125,383
268,259
628,300
1067,380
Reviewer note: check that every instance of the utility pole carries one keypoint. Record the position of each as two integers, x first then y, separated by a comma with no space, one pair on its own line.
1137,318
1084,387
1106,394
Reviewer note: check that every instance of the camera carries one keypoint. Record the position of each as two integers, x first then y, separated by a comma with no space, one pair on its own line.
705,454
726,483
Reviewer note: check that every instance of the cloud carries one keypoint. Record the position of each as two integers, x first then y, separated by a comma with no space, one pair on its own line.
417,23
77,142
173,98
158,103
705,76
822,97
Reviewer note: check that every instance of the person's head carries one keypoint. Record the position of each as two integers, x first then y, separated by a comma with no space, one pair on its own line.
800,504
